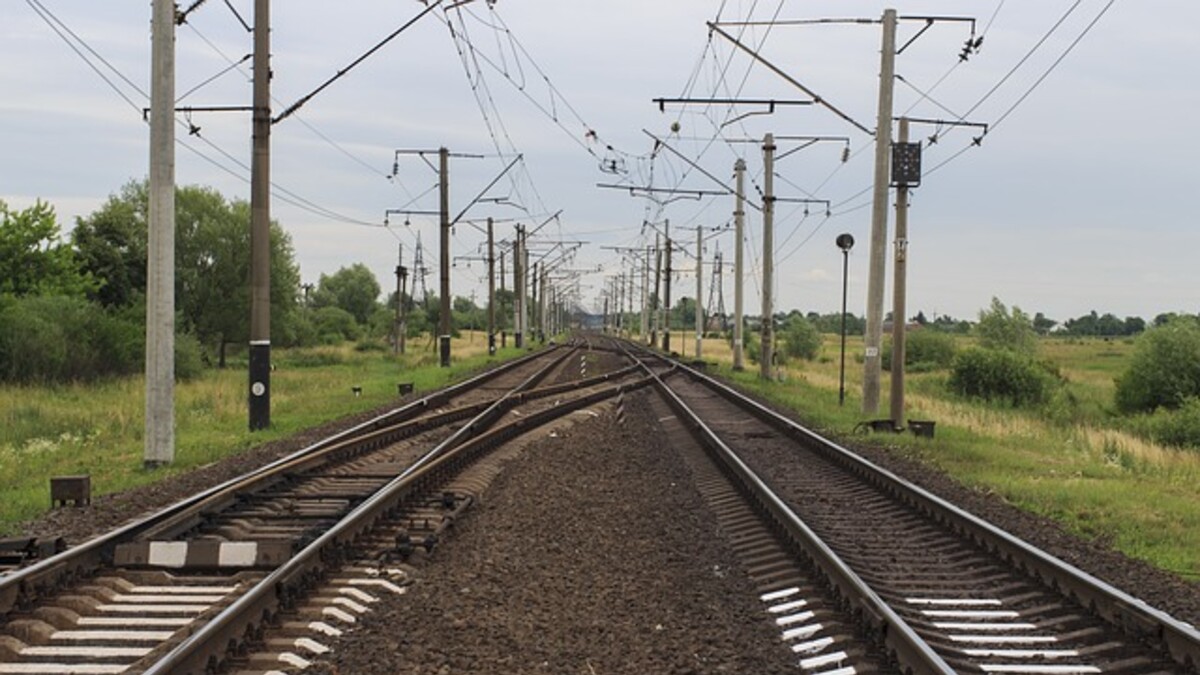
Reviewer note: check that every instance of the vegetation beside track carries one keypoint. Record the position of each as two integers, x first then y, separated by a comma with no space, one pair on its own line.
1078,466
97,429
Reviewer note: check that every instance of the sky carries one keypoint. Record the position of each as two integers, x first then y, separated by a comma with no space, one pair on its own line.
1080,197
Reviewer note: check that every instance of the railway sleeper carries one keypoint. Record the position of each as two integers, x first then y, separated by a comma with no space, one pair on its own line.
203,555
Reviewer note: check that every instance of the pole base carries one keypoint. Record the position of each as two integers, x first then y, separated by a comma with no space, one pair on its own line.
444,349
260,385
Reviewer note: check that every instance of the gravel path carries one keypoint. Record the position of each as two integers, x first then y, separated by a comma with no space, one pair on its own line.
592,553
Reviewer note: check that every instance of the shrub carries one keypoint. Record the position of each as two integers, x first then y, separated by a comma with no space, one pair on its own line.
335,325
189,357
1179,427
924,350
60,339
1000,375
1164,370
800,339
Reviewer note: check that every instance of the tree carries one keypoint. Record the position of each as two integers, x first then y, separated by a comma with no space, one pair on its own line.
212,262
1000,329
1043,325
354,289
111,246
683,314
33,258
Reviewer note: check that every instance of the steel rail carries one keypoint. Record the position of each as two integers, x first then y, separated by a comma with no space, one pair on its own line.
76,562
240,620
1130,614
906,646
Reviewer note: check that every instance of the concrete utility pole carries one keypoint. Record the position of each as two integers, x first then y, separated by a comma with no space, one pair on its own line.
657,288
699,283
444,263
403,337
739,225
518,292
260,225
879,213
768,311
542,325
491,289
899,288
160,278
666,343
503,333
645,295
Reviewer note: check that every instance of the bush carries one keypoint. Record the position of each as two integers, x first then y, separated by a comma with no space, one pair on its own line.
800,339
61,339
335,325
1179,427
1164,371
924,350
1002,376
189,357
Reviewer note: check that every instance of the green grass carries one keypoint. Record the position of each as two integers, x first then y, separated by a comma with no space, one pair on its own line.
98,429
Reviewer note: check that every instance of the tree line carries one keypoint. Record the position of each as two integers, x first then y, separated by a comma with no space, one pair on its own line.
73,306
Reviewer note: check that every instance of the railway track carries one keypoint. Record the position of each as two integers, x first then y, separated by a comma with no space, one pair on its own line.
928,586
202,585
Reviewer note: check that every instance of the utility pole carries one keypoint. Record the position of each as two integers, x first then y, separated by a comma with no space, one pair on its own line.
645,295
666,343
699,282
160,279
899,288
260,225
397,346
517,299
768,312
879,214
403,337
491,341
739,225
503,333
542,325
657,288
444,263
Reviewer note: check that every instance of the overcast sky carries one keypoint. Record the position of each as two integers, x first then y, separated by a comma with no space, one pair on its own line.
1081,198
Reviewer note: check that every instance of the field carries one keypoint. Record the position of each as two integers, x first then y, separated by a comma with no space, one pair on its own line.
98,429
1076,467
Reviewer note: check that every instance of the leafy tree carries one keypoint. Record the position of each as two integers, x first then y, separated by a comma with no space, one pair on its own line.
111,246
948,324
33,258
800,338
1164,371
1000,329
1043,325
1134,325
212,262
683,314
354,289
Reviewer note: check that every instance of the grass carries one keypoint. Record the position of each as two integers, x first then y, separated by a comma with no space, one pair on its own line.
97,429
1081,470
